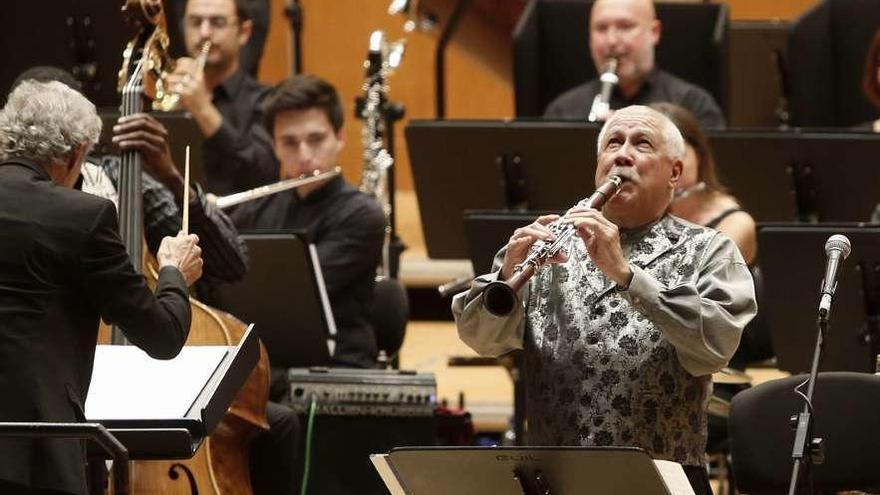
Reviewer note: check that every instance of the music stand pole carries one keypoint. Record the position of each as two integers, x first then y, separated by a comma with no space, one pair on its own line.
294,13
392,112
440,57
89,431
805,446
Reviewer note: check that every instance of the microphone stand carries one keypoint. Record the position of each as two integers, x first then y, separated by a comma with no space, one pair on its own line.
807,450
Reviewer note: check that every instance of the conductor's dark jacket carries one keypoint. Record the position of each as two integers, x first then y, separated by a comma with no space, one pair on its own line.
62,268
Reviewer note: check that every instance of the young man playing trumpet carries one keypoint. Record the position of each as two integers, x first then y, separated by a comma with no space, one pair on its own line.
225,102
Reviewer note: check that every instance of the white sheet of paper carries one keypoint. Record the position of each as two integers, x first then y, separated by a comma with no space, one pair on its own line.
674,477
129,384
380,462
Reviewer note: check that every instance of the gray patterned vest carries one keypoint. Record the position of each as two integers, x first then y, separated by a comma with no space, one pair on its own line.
599,372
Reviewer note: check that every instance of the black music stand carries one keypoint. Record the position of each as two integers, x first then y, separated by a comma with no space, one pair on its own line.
792,259
283,293
481,165
155,413
182,131
844,174
778,176
782,176
764,179
488,231
85,37
525,471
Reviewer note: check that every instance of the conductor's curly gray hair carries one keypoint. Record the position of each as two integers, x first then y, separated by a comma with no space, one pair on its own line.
45,122
673,142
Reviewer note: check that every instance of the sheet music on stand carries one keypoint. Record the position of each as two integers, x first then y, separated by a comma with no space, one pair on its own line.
528,470
165,409
144,393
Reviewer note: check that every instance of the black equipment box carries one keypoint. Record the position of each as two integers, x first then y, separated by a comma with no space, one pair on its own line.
363,392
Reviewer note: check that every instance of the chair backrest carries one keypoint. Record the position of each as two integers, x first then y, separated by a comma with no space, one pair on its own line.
826,56
551,49
845,417
389,314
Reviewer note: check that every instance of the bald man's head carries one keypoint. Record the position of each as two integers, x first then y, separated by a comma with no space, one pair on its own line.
627,30
645,148
640,8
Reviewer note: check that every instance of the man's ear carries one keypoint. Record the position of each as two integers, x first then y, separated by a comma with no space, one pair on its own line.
656,31
73,167
244,32
677,168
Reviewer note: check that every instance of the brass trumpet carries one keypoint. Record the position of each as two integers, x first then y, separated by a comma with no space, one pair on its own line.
167,100
499,297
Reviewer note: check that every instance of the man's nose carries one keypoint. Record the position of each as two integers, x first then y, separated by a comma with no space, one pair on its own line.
205,30
623,157
613,39
305,152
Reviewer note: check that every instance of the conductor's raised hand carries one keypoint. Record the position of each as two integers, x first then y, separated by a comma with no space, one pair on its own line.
521,241
184,253
602,240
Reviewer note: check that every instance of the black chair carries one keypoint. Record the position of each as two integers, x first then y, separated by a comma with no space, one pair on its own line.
389,314
826,57
551,49
845,417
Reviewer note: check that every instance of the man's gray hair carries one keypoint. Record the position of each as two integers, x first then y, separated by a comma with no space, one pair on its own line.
45,122
673,142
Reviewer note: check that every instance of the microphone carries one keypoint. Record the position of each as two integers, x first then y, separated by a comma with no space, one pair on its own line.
837,248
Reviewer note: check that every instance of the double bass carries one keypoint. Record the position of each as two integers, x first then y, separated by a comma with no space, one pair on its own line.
221,464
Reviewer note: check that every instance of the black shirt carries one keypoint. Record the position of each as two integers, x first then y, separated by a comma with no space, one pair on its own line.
239,155
347,228
660,86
